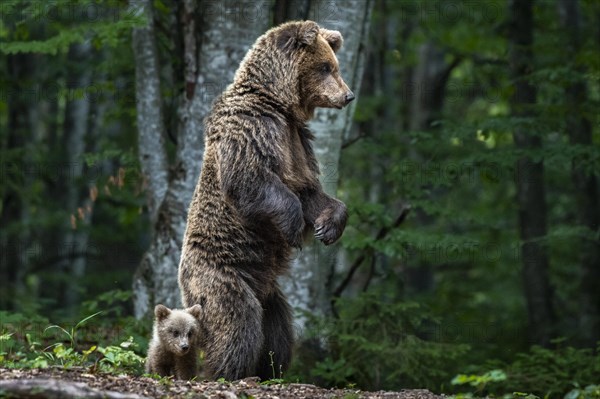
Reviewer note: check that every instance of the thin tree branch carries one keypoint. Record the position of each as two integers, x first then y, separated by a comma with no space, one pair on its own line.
382,233
353,140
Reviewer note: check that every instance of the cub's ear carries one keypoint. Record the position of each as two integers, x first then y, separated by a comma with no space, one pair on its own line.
297,35
161,312
333,37
195,311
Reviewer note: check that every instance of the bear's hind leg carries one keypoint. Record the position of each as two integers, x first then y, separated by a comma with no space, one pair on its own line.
233,318
279,336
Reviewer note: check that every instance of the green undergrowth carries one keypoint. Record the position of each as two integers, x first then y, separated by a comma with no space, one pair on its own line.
375,342
65,347
102,340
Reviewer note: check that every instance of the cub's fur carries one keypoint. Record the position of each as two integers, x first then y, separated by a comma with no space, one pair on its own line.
176,337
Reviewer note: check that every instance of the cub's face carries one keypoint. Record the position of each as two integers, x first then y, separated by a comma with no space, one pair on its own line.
178,330
321,84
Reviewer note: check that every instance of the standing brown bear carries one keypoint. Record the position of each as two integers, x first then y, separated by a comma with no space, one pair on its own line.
257,195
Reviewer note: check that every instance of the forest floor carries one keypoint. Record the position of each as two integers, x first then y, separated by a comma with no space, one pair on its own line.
62,383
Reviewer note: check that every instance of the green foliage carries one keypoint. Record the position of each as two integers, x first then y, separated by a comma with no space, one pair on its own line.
589,392
121,358
65,348
551,372
112,302
458,252
25,342
101,29
378,342
543,372
479,381
72,333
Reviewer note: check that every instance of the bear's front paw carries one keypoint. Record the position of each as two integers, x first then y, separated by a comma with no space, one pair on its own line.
330,224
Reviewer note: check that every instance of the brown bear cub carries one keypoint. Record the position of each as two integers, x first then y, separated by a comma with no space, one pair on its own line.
257,196
173,350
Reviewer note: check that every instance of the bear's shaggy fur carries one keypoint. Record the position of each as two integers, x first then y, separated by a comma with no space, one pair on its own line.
176,338
257,195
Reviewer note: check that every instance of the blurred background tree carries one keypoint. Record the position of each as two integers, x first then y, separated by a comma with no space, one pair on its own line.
470,167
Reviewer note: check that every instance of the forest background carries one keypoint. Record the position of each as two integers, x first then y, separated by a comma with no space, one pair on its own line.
469,163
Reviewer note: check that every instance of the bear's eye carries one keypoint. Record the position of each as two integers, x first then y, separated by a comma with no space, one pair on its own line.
190,334
326,67
176,333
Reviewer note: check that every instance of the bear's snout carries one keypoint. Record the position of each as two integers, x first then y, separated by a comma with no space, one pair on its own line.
349,97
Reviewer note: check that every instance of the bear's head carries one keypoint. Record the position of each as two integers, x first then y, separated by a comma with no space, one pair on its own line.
319,81
313,48
295,63
178,330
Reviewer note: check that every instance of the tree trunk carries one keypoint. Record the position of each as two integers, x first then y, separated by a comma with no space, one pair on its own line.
152,154
228,31
308,287
579,130
13,239
150,123
427,91
74,240
530,178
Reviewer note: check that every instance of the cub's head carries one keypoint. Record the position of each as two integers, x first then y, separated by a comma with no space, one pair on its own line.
319,79
178,330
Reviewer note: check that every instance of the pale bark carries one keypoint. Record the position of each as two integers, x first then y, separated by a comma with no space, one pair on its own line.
228,31
150,123
308,287
152,155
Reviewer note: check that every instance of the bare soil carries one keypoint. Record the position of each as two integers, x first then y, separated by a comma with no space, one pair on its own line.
61,383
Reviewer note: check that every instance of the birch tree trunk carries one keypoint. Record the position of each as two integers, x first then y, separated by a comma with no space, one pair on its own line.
308,287
228,31
531,196
152,156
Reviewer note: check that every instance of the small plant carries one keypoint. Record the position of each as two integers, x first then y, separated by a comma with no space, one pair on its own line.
589,392
522,395
274,380
4,338
72,334
26,352
479,381
162,380
120,358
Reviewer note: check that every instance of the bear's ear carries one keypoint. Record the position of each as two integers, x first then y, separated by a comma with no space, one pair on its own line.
161,312
308,33
333,37
195,311
297,35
